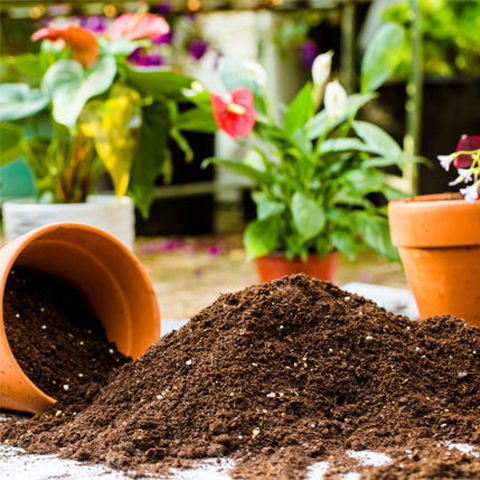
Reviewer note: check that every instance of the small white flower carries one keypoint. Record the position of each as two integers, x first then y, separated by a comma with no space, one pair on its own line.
465,173
321,68
196,87
445,161
471,193
335,99
255,70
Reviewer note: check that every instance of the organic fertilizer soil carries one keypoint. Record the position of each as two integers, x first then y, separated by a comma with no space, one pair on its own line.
55,336
277,376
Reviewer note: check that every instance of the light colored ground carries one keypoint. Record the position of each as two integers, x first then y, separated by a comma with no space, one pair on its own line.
189,274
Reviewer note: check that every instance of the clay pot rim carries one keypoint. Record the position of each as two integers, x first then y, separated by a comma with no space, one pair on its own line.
434,221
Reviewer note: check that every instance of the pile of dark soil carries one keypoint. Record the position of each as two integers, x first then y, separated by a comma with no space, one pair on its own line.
55,336
277,376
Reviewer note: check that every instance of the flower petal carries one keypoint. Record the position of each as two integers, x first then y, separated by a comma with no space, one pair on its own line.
467,142
235,113
134,27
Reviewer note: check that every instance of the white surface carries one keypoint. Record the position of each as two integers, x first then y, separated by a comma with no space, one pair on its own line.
394,300
112,214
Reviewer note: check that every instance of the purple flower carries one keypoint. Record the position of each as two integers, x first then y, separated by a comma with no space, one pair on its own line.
214,251
142,59
165,39
164,8
94,23
198,48
308,52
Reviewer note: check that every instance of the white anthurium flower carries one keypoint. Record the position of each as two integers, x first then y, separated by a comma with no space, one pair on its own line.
321,68
471,193
445,160
256,71
335,99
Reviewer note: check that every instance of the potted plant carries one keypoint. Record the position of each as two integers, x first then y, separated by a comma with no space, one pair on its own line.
86,107
316,173
439,240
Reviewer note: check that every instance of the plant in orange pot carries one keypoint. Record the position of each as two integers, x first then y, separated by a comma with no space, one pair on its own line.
315,169
439,240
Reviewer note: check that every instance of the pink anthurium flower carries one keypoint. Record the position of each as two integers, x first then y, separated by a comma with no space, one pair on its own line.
466,143
83,42
235,112
135,27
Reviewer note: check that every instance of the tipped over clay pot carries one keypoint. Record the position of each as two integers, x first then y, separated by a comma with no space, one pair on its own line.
276,265
110,277
439,241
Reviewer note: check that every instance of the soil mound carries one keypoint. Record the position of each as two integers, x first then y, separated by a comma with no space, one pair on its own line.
277,376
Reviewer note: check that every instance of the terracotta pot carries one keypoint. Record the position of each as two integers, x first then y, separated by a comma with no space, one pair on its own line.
105,271
439,241
276,265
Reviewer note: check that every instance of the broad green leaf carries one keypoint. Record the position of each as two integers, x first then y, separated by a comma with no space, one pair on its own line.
309,218
161,84
377,139
259,177
380,60
151,156
10,143
122,47
363,181
320,124
17,101
71,87
300,110
344,241
375,233
196,120
380,162
261,237
266,207
343,145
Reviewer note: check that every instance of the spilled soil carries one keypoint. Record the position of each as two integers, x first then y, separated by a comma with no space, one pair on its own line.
277,376
55,337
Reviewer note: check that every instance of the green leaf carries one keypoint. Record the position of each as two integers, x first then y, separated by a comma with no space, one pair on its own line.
376,139
17,101
402,159
343,145
375,233
70,86
300,110
182,143
197,120
266,207
161,84
10,143
261,237
121,47
320,124
152,155
344,241
380,60
259,177
309,218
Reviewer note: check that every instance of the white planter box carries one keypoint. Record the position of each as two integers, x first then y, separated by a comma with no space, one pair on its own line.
112,214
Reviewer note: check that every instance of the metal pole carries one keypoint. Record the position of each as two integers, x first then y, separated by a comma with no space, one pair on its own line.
412,141
348,46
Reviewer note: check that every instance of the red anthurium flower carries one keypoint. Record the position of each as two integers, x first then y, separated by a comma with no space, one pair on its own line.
468,143
83,42
134,27
235,112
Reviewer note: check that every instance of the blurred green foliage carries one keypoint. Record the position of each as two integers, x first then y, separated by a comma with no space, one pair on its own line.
451,32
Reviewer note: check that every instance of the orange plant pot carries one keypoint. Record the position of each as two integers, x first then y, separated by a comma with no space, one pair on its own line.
439,241
112,280
276,265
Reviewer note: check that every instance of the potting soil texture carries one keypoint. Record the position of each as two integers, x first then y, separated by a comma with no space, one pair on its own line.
277,376
54,335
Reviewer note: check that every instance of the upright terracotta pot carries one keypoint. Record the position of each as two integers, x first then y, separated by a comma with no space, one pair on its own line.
112,280
439,241
276,265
